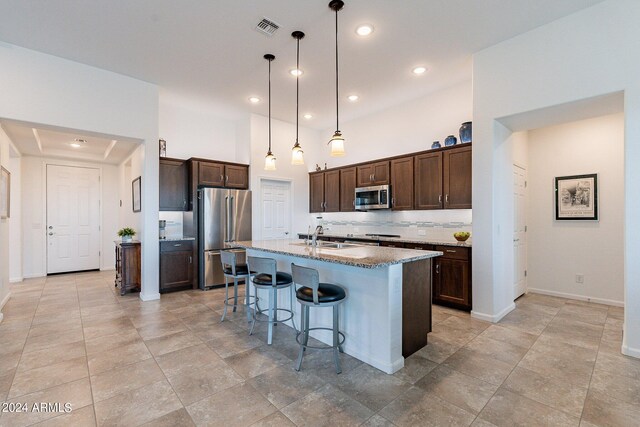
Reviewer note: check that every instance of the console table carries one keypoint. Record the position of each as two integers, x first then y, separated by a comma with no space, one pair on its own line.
128,266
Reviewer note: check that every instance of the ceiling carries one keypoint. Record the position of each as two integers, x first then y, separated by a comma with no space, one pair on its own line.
208,50
35,140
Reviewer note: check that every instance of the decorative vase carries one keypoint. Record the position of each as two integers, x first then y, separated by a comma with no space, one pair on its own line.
465,132
450,140
126,239
436,144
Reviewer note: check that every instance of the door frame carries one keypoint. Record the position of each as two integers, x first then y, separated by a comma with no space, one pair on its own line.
289,181
46,162
513,205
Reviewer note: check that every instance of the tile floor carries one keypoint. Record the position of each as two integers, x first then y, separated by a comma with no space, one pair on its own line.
119,361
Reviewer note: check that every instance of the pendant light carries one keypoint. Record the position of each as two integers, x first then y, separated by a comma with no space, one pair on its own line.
337,140
270,159
297,155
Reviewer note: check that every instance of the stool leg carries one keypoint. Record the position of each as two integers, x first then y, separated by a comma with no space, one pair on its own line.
226,297
293,319
235,293
303,328
306,329
247,291
336,339
272,309
255,311
275,307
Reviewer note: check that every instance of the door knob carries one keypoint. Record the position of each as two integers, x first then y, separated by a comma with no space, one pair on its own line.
50,234
51,227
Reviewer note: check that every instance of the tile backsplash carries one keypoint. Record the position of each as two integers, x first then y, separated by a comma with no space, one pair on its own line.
439,225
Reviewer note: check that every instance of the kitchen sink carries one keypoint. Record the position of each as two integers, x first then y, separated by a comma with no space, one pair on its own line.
328,245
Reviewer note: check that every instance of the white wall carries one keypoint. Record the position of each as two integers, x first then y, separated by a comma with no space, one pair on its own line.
35,212
40,88
574,58
129,170
558,250
193,130
405,128
5,225
283,138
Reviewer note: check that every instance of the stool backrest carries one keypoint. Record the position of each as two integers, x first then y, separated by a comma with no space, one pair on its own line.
263,266
307,277
228,258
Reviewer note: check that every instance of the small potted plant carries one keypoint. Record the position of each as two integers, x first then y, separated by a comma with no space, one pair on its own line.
127,234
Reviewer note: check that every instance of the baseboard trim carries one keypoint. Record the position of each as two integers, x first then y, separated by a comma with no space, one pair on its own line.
1,317
4,301
16,279
493,318
577,297
107,269
149,297
33,276
632,352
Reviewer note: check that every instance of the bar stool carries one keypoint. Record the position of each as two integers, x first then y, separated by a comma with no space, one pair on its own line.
265,276
235,271
315,294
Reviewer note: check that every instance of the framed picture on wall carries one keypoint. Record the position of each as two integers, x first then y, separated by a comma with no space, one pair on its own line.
136,192
577,197
5,193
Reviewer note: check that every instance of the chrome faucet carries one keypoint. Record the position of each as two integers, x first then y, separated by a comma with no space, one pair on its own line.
314,236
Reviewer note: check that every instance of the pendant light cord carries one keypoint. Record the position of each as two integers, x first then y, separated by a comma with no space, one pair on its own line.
337,94
270,106
297,88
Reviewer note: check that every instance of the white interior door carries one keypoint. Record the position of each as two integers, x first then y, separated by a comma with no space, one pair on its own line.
519,231
276,209
73,219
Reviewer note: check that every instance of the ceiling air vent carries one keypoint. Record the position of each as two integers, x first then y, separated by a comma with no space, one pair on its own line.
267,26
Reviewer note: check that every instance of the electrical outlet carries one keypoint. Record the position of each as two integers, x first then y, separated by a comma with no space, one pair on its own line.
580,278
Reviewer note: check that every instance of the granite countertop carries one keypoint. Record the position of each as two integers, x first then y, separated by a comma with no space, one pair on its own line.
176,239
419,240
356,255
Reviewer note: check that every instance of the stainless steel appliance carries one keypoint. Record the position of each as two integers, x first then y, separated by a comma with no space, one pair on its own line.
224,217
375,197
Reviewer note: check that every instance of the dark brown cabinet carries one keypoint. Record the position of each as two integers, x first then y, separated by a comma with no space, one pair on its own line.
213,174
428,181
373,174
402,184
176,265
173,183
457,178
392,244
128,266
348,189
452,277
236,176
324,191
210,174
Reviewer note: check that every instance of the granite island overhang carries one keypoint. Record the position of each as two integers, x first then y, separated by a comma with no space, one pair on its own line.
387,313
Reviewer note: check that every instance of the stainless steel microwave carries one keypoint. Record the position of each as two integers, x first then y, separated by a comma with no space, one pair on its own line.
375,197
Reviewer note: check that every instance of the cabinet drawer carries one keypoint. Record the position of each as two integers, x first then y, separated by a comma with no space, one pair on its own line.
454,252
419,246
392,244
176,246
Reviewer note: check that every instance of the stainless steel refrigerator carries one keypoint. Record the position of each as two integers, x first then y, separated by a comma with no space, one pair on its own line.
224,217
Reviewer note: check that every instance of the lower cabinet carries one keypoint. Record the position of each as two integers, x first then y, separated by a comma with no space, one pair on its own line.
176,265
452,277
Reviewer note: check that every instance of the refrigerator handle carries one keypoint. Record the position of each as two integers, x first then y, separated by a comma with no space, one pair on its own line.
226,218
232,220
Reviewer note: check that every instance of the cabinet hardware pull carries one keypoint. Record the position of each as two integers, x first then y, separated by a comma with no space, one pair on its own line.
446,198
190,260
440,199
451,251
177,245
227,179
353,202
393,201
437,268
222,178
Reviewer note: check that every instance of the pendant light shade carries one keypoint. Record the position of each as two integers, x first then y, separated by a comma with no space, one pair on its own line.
297,155
270,159
337,140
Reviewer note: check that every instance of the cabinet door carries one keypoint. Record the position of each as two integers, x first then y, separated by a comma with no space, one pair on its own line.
236,176
316,192
332,191
173,185
348,190
452,283
428,181
211,174
364,175
392,244
402,184
176,270
380,173
457,178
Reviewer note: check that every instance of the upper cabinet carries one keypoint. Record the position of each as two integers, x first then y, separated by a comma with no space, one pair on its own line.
173,183
212,174
373,174
428,181
324,191
348,189
236,176
457,178
402,184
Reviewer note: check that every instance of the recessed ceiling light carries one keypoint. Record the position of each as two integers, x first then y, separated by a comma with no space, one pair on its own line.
308,116
419,70
254,99
353,98
364,30
78,142
75,145
296,72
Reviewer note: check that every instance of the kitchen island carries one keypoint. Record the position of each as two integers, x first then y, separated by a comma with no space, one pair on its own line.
387,314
